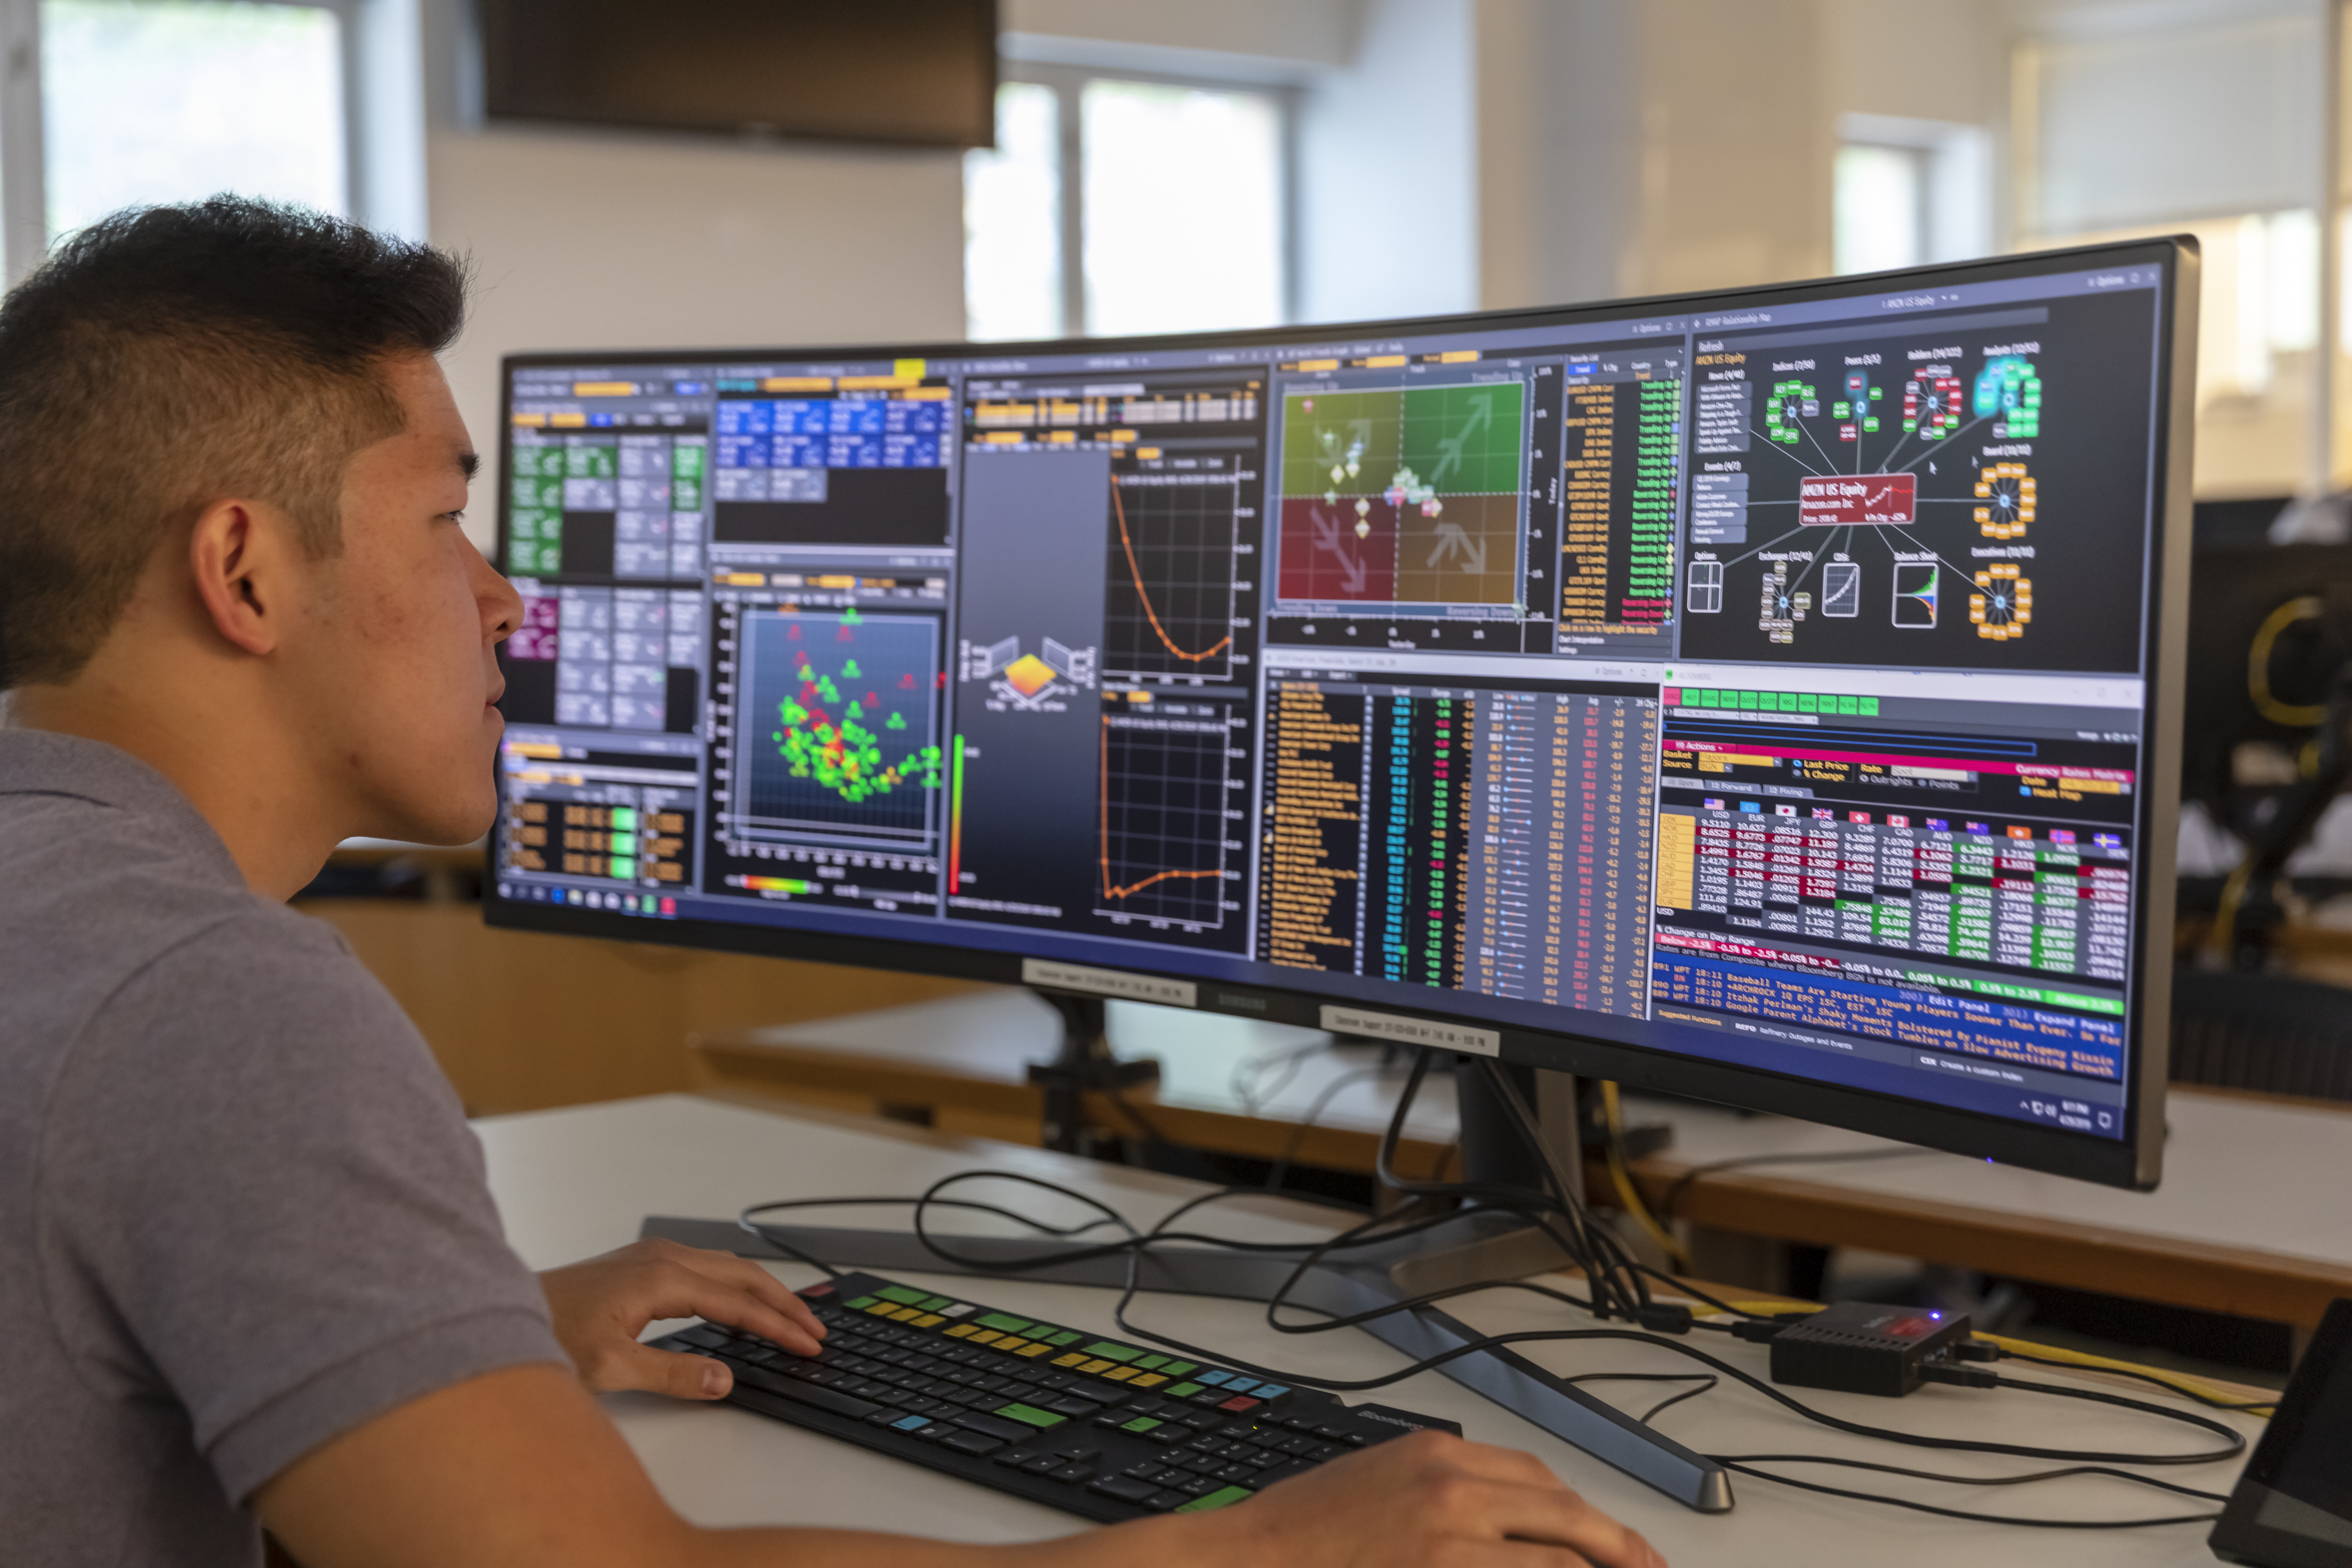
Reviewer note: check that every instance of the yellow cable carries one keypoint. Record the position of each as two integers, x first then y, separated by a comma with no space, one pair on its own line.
2179,1380
1622,1179
2258,664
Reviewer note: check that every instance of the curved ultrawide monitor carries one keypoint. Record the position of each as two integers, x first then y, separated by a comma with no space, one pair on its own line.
1767,696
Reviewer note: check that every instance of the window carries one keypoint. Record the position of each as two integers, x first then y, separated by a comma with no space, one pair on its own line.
2209,121
1113,206
139,102
163,100
1909,192
1013,220
1882,207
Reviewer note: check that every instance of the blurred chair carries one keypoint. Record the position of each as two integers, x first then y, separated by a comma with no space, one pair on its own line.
2263,1032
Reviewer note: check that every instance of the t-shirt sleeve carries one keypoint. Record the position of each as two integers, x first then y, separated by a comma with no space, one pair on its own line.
252,1164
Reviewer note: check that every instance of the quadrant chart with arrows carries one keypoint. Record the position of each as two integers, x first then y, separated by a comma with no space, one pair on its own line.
1162,841
1402,496
838,730
1170,599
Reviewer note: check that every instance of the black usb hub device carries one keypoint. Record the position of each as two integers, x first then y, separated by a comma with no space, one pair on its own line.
1859,1347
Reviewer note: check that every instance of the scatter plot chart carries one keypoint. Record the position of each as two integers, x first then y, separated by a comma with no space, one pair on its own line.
1402,496
839,725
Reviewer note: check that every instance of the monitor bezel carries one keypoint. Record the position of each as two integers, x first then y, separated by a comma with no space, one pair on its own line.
2134,1161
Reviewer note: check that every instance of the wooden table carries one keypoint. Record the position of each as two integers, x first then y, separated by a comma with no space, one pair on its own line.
2250,1219
574,1181
961,1064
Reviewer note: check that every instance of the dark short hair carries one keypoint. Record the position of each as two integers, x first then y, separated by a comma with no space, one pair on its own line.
167,358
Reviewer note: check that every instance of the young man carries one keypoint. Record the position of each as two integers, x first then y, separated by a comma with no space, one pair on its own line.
249,1274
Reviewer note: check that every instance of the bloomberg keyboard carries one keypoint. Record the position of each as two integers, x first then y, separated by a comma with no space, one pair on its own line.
1069,1419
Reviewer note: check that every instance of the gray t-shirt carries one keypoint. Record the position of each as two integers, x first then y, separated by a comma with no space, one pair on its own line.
240,1209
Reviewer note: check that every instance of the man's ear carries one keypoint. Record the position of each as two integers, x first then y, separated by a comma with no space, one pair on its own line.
242,558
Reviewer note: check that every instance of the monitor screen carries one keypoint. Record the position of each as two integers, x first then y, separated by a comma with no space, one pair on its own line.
1741,694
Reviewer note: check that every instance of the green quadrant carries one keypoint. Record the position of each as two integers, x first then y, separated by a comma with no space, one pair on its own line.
1326,430
1457,440
1464,440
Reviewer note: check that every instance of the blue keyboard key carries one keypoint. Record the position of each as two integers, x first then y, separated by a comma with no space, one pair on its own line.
908,1423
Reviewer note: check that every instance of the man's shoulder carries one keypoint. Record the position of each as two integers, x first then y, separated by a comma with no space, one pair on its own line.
95,887
106,907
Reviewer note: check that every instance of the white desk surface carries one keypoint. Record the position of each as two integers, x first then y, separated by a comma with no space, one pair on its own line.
575,1182
2239,1172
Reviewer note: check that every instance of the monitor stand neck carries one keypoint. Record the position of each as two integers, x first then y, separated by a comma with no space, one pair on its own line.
1084,1064
1494,1151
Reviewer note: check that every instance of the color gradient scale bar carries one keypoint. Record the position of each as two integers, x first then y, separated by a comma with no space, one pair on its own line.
955,819
782,885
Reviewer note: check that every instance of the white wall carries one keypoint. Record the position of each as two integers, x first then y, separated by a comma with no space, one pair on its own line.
586,239
1388,168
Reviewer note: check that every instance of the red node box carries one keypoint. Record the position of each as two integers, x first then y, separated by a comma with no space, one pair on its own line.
1857,500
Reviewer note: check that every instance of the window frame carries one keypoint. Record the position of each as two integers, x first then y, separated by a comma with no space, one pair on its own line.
24,152
1068,84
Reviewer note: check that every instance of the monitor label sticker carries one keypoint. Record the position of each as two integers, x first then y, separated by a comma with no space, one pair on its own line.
1107,982
1412,1031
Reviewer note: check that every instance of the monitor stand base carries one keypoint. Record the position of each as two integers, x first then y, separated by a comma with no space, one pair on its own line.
1373,1278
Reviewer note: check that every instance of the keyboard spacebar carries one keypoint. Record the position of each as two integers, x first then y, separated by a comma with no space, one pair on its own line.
806,1393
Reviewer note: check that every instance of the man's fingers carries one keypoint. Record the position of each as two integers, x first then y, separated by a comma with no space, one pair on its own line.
741,1274
637,1366
1553,1516
770,1291
700,1296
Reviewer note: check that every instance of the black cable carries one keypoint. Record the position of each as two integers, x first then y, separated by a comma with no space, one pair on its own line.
2096,1396
1616,1280
1280,1169
2057,1474
1746,1465
1291,1059
2168,1384
1708,1383
787,1249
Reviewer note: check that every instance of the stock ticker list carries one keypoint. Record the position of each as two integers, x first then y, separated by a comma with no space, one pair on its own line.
1619,460
1459,838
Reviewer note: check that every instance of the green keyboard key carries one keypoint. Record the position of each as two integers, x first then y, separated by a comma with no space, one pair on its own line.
1183,1390
1222,1498
903,1295
861,1303
1110,1351
1180,1368
1029,1413
1004,1324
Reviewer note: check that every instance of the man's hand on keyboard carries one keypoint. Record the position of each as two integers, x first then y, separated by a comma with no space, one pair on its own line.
1426,1498
601,1307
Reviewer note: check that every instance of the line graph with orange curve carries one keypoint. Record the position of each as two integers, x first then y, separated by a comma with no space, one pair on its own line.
1144,594
1114,892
